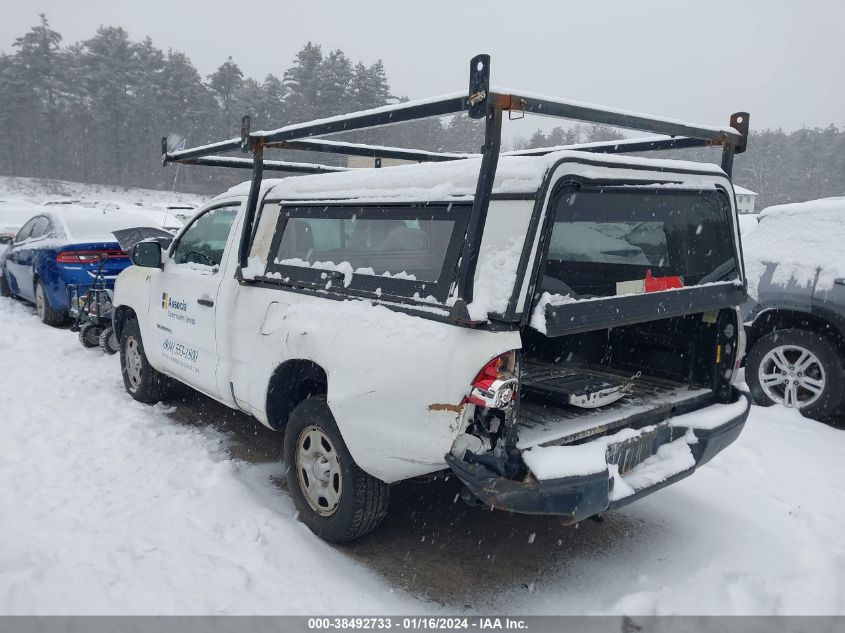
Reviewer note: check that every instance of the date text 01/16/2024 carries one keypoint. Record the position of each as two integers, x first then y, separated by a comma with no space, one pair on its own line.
417,623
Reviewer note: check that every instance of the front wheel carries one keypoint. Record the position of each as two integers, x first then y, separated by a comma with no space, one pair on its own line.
336,499
797,368
141,381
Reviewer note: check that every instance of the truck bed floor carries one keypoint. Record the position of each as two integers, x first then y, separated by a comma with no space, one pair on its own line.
542,423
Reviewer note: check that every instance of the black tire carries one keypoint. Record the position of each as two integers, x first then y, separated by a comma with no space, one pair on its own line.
89,334
108,341
831,397
5,288
145,384
363,499
48,316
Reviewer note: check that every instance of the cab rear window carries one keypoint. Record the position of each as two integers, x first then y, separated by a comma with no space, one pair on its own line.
395,250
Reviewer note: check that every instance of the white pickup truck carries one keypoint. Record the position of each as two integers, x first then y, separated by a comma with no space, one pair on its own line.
583,373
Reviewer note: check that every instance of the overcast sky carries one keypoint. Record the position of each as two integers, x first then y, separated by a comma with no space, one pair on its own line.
783,61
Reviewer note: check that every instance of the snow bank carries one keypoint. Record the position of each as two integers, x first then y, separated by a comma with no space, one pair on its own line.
794,243
109,507
40,190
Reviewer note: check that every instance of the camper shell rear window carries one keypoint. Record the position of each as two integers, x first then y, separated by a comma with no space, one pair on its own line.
610,241
403,250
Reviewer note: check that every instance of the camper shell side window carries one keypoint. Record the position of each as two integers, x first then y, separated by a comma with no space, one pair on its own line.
407,251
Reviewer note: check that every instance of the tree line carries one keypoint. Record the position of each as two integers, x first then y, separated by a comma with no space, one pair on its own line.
779,166
93,111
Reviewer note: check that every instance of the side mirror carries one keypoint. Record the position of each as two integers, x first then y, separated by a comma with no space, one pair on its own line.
147,254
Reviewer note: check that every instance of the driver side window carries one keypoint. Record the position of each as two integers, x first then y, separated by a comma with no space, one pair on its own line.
202,244
25,231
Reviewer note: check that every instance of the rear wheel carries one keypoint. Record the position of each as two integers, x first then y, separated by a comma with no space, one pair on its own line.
89,334
142,382
5,288
797,368
45,311
335,498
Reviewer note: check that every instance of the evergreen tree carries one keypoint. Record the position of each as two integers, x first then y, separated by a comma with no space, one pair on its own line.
335,84
227,84
302,82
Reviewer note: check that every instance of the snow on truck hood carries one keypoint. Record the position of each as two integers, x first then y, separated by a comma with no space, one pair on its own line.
445,180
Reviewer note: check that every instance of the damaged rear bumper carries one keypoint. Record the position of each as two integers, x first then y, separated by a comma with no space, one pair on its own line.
575,498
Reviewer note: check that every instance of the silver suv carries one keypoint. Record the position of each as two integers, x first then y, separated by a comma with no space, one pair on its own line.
795,316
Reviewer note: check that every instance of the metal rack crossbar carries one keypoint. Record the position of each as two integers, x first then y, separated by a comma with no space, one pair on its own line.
480,102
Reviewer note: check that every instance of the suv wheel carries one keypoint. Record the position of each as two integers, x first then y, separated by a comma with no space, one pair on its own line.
45,311
797,368
142,382
336,499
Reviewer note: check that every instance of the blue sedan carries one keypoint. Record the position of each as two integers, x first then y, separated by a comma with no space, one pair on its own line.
60,248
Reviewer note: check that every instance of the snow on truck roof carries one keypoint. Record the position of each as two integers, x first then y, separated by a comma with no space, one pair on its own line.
447,180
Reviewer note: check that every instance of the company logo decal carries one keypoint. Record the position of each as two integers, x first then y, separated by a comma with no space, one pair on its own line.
176,308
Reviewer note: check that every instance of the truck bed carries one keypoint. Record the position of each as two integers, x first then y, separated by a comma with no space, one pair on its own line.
546,424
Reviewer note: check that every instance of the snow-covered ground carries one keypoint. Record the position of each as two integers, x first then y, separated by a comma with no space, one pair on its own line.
110,506
107,507
38,190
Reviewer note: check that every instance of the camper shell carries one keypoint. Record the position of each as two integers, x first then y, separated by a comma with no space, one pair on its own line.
558,327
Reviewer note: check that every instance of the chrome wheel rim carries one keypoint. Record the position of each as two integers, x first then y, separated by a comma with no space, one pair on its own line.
792,376
39,301
318,470
132,356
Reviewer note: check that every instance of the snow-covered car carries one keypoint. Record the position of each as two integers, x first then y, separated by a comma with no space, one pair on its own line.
795,317
403,321
59,252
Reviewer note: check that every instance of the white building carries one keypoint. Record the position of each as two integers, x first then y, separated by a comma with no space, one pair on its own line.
745,199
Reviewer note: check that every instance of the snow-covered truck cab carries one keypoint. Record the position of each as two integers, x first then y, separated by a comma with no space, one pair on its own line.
558,327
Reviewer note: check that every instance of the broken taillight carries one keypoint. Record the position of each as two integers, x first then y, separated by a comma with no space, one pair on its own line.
496,385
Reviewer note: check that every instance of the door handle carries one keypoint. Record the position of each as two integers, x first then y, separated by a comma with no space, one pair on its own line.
839,281
208,303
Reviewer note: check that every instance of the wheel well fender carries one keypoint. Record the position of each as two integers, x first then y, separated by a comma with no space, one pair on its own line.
121,315
774,319
292,382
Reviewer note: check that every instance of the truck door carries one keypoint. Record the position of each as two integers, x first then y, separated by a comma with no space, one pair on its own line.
183,308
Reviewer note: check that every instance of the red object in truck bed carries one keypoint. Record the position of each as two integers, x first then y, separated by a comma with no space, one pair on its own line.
653,284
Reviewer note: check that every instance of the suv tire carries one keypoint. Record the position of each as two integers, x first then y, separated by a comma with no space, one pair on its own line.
336,499
48,316
142,382
825,370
